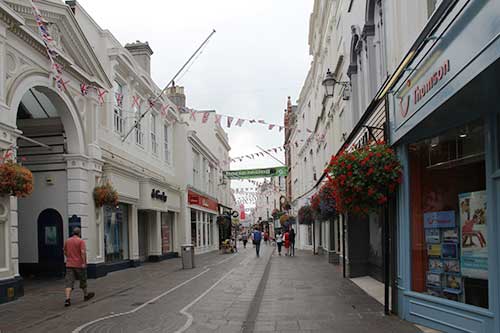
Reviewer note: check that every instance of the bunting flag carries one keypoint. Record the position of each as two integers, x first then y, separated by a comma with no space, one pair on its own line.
271,126
136,101
100,95
163,110
229,121
205,117
260,121
151,102
218,118
281,128
192,115
240,122
84,89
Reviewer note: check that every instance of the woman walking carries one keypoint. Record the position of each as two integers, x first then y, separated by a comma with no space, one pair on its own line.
286,240
279,241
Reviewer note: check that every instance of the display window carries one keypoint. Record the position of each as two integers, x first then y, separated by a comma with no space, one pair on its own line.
449,247
116,232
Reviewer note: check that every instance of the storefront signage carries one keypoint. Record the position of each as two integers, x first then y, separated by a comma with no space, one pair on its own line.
257,173
202,201
424,87
157,194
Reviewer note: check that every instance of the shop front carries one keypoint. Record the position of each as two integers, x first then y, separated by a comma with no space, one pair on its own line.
445,124
203,213
158,209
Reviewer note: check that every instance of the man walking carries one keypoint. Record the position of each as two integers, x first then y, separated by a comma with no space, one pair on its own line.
292,242
76,266
257,238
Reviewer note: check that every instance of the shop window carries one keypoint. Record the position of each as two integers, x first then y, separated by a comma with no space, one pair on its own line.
448,216
116,232
193,227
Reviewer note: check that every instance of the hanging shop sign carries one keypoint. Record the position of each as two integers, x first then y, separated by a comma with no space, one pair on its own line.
157,194
202,201
257,173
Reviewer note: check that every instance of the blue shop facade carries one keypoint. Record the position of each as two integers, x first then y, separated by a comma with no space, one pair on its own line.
444,119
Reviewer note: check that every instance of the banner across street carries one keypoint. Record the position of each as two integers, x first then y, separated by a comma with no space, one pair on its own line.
257,173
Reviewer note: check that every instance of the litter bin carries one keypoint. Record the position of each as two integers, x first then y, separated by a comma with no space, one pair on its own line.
187,252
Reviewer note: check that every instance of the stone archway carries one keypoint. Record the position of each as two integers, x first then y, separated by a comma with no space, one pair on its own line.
61,172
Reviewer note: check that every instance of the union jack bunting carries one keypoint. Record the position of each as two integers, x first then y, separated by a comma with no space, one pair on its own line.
192,115
151,102
84,89
100,95
218,118
136,100
204,119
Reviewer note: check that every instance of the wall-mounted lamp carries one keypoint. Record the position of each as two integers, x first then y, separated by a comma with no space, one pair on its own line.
329,83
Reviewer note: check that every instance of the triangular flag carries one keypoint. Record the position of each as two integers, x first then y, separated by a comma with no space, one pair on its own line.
218,117
229,121
271,126
252,121
240,122
206,114
281,128
192,114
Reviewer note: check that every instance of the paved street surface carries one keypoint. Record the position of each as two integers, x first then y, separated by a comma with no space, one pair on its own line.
224,293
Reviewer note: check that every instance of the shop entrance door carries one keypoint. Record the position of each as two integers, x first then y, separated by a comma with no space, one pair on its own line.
143,235
50,242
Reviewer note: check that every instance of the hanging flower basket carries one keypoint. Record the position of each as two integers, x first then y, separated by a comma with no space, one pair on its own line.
363,179
105,195
323,203
15,180
306,215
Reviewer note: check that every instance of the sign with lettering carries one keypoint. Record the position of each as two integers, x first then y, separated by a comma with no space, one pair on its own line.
418,89
157,194
257,173
202,201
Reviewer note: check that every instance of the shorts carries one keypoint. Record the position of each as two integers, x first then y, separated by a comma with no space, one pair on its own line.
73,274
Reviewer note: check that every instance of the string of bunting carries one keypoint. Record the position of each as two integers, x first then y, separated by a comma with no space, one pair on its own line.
258,154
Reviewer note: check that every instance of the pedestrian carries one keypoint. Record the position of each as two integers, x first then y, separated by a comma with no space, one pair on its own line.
286,240
244,238
76,266
266,238
279,241
257,238
292,242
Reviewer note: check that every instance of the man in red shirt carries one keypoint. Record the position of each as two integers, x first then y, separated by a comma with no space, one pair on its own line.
76,265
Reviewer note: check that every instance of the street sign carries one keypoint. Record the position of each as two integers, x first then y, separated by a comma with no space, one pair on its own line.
257,173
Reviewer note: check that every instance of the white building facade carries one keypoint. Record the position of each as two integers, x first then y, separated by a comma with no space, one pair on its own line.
73,139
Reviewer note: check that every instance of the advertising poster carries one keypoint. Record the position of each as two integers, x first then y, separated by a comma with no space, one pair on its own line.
434,250
439,219
474,247
432,236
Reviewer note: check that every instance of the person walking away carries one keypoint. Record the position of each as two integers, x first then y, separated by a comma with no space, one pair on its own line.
286,241
76,266
244,238
292,242
279,241
257,238
266,238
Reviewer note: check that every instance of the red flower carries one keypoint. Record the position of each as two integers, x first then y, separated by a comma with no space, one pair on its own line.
370,171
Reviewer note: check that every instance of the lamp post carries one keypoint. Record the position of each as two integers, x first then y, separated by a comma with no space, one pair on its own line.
329,83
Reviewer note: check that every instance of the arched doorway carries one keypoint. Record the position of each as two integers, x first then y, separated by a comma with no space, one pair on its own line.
50,242
49,133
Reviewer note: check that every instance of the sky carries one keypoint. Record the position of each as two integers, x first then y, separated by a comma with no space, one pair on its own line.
257,58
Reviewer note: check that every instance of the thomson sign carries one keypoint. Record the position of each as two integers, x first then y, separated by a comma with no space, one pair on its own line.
257,173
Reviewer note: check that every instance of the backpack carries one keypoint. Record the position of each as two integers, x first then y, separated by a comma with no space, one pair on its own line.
257,236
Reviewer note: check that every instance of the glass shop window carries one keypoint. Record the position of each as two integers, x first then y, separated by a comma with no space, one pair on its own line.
448,216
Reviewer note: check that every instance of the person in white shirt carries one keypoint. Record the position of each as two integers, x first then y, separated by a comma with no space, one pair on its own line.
279,241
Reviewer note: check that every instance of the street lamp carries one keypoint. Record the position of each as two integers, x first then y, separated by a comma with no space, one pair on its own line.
329,83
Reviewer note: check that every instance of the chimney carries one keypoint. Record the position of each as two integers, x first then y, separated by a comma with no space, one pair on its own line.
176,95
141,53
